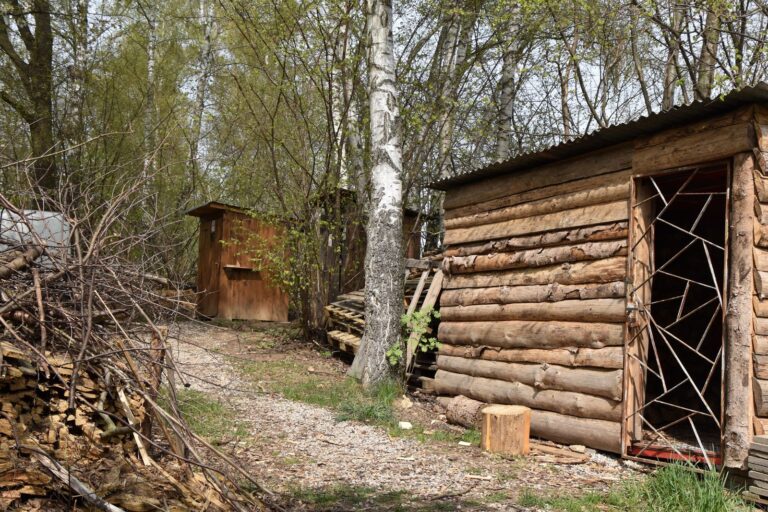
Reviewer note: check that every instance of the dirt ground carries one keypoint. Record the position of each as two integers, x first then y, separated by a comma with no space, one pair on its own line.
313,461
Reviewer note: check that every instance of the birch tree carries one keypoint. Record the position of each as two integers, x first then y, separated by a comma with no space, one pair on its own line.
383,258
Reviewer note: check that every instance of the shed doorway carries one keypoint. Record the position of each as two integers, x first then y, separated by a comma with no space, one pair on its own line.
675,304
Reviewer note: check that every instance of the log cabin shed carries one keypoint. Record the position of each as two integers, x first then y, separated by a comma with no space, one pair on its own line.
231,284
617,284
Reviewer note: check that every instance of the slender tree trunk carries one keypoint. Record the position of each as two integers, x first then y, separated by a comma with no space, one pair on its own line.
506,105
201,93
671,66
708,57
149,166
384,255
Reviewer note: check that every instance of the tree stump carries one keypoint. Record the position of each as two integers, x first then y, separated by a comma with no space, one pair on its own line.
506,429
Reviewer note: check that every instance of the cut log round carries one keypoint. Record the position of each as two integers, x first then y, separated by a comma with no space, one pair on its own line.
589,197
506,429
599,271
604,383
594,310
515,393
608,357
601,232
460,410
616,211
553,292
522,334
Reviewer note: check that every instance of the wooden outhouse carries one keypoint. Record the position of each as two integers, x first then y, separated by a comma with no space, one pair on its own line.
617,284
233,282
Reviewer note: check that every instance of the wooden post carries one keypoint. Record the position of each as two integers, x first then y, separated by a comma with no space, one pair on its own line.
737,431
506,429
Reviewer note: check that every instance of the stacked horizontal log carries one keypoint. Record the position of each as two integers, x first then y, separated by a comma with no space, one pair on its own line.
533,306
760,298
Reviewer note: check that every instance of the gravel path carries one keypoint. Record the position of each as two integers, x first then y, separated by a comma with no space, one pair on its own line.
299,446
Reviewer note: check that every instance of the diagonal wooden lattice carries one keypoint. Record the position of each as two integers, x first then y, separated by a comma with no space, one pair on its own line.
681,334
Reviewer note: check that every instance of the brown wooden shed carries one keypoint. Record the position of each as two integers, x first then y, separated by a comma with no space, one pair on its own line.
615,284
230,284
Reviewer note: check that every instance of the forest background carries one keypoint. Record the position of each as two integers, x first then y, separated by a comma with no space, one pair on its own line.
264,104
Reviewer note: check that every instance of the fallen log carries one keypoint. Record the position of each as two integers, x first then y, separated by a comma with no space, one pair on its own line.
604,383
601,232
495,391
608,357
523,334
462,411
594,310
598,271
20,262
552,292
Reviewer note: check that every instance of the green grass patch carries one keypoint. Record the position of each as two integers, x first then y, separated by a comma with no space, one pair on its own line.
672,488
208,417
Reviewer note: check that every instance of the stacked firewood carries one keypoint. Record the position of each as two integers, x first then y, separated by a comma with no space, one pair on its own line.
87,387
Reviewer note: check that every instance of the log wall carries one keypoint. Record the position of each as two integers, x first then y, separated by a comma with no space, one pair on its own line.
533,309
533,306
760,272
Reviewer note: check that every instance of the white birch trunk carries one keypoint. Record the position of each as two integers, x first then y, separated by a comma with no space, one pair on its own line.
384,255
506,104
206,66
148,169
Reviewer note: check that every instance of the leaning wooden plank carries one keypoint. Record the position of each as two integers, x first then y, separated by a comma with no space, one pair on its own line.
598,271
429,302
581,199
524,334
593,310
608,357
597,233
552,292
417,293
615,211
604,383
535,257
495,391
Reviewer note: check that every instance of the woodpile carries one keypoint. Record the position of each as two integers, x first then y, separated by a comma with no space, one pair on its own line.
345,317
81,384
533,307
757,464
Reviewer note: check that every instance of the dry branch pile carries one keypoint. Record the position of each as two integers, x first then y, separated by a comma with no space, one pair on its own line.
82,361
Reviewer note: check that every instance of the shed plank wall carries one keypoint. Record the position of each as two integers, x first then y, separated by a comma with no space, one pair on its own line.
246,291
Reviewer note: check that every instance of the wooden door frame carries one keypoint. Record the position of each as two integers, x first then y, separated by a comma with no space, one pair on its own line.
634,232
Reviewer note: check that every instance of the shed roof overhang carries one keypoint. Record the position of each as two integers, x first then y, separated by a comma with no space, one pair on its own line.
615,134
214,208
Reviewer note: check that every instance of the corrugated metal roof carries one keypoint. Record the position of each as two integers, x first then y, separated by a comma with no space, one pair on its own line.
615,134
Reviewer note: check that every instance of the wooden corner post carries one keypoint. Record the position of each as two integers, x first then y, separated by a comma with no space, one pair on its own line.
737,428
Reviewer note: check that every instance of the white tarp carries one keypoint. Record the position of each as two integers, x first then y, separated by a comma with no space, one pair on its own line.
34,226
